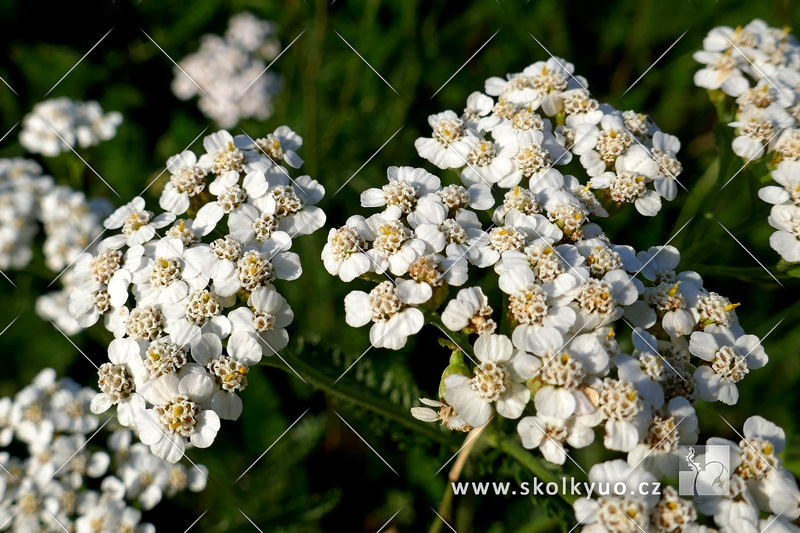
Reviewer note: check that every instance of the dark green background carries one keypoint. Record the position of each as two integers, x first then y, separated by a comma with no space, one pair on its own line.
320,476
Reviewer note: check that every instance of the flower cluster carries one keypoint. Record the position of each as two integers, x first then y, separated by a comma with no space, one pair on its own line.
56,125
229,74
21,186
70,223
757,493
758,67
549,355
67,482
194,307
528,124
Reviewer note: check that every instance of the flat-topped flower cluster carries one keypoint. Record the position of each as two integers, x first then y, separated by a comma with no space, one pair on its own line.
548,355
31,203
228,74
756,495
67,479
29,198
528,125
758,68
56,125
189,293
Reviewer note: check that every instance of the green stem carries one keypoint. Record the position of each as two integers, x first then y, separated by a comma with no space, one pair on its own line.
461,340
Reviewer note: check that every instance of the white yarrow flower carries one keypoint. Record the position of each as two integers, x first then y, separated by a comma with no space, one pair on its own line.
498,379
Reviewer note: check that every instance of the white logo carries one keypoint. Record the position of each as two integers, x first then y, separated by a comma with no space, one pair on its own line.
704,470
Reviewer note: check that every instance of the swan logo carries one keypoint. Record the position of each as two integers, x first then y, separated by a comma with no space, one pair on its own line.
704,470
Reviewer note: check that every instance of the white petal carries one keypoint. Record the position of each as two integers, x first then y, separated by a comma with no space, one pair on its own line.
531,432
227,405
554,402
513,402
355,265
196,386
703,345
493,348
474,410
414,293
357,310
620,436
205,431
245,348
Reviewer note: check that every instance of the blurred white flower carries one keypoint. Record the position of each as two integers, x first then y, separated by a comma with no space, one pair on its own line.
58,124
229,74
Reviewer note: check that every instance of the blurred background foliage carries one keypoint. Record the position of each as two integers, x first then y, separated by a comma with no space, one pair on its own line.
320,476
